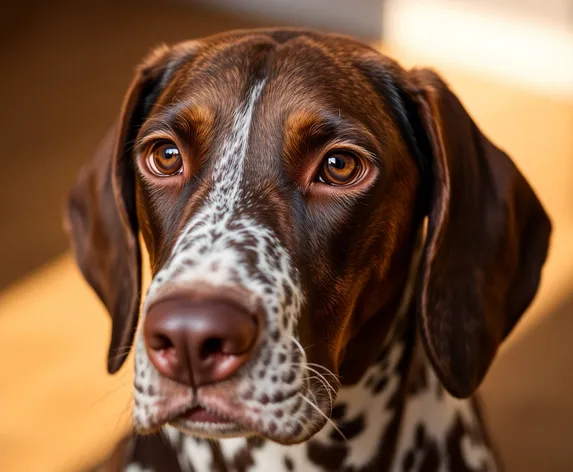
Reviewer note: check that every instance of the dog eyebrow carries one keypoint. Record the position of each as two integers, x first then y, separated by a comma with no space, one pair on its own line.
184,120
312,130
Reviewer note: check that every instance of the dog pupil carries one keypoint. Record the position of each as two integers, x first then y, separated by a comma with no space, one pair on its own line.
170,153
336,162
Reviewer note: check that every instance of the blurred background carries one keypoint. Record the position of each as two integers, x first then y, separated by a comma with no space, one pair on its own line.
63,71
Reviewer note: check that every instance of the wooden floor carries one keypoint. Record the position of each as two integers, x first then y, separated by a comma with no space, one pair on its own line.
64,70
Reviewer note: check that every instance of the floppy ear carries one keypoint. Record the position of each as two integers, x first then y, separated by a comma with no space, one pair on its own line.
101,214
487,239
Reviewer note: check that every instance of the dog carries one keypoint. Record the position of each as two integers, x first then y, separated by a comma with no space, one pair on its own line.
337,252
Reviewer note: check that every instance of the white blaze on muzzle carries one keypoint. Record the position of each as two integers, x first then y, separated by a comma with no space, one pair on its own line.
221,246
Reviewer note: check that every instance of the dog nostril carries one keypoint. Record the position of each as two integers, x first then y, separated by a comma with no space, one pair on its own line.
210,347
161,343
199,342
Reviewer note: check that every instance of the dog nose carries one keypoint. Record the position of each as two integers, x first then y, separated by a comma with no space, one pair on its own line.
198,342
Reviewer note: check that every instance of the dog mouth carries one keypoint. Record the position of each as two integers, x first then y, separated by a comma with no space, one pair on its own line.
207,422
217,412
199,414
216,417
211,414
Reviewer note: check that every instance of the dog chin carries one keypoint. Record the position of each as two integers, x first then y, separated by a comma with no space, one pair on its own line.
212,431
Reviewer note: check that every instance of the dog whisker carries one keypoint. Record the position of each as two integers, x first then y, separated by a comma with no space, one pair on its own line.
328,420
327,386
125,414
327,371
303,425
323,379
299,347
110,392
311,368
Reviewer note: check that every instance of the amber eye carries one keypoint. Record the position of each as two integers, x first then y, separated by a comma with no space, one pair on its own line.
340,168
165,160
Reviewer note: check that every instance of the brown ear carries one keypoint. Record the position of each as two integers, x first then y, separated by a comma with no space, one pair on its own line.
487,240
101,214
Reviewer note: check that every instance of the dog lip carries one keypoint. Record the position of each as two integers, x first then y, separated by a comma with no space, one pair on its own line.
202,421
214,414
199,414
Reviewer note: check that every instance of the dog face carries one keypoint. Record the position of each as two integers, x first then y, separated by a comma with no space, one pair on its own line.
279,179
278,172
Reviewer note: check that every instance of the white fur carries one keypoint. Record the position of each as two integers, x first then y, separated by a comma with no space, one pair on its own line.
438,415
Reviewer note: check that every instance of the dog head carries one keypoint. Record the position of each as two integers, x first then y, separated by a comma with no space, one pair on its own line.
279,179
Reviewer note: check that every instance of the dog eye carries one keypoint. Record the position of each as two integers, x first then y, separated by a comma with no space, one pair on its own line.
339,168
165,160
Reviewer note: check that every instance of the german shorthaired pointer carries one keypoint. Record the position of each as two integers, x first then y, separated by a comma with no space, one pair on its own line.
337,252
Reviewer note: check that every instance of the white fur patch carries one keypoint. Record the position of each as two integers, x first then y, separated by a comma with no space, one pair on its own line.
378,416
438,413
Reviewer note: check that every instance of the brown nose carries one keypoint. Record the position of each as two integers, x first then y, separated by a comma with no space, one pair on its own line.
198,342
